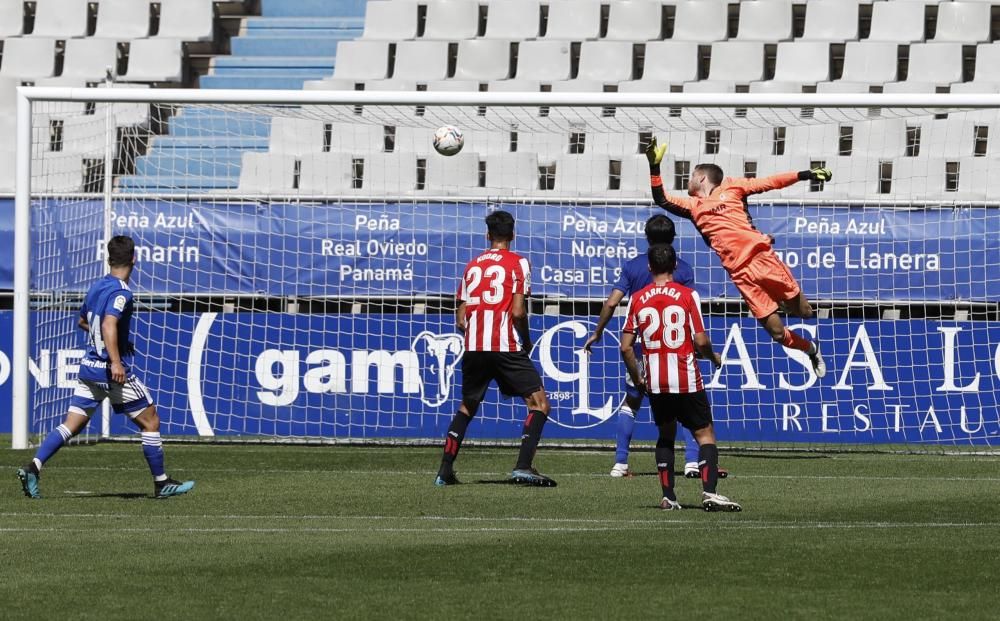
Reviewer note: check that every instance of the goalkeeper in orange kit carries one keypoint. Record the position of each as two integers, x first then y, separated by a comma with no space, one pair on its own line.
717,206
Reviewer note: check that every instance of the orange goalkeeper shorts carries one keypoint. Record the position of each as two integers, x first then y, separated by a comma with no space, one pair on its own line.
764,282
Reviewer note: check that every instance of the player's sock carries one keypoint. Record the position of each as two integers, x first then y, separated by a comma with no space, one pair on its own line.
794,341
708,464
453,441
50,445
665,467
690,445
530,436
626,425
152,450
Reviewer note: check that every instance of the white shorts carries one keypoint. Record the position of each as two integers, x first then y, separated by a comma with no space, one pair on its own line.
129,398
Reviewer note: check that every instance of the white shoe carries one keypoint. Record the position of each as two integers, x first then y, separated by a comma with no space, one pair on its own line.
691,470
718,502
670,505
620,471
818,364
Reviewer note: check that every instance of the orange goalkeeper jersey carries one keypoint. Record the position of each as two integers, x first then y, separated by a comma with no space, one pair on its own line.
723,219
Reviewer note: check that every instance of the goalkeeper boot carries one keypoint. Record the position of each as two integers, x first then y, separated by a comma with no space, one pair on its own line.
29,480
621,471
446,479
530,476
172,487
670,505
818,364
718,502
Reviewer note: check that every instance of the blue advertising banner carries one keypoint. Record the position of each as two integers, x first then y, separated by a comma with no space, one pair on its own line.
419,248
375,376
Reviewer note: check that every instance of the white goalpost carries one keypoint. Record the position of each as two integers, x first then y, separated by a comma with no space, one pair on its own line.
298,253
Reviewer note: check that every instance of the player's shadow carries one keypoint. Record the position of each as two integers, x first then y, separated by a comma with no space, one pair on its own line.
121,495
495,482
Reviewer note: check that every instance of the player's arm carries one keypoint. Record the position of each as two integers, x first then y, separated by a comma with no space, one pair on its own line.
702,344
81,320
631,363
677,205
782,180
109,333
460,319
607,311
519,315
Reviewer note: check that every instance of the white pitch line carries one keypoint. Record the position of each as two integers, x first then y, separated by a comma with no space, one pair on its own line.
663,525
586,475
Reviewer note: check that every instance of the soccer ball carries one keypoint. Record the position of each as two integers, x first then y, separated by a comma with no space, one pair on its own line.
448,140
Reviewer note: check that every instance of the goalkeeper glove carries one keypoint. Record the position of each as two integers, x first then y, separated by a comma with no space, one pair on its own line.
816,174
655,152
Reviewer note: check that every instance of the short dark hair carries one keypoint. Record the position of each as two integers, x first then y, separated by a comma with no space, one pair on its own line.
500,225
662,259
712,171
660,230
121,251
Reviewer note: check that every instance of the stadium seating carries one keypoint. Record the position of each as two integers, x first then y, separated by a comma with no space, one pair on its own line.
910,46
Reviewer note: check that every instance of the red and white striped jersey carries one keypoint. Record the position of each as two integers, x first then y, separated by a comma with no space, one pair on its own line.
487,288
665,318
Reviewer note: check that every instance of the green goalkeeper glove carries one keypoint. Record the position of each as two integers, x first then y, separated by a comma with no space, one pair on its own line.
816,174
655,152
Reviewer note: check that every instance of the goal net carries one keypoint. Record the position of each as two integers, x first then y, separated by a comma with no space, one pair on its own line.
299,252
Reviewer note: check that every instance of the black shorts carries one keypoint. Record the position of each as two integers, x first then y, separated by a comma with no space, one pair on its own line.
690,409
515,374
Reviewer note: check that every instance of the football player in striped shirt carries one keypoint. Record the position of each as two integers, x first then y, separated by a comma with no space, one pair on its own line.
105,373
666,317
493,314
717,206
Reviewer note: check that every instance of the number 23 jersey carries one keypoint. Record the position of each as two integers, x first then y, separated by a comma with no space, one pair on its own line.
665,318
488,286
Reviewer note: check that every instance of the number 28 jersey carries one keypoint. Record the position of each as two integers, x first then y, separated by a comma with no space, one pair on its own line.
487,288
666,318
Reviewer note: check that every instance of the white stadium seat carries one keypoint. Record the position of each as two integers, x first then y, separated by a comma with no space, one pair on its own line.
831,20
931,65
865,63
733,62
482,60
884,138
634,177
388,173
356,138
326,173
765,20
635,20
57,172
11,19
487,141
122,19
675,62
963,22
361,60
543,60
953,137
294,136
703,21
986,76
821,140
390,20
605,61
799,63
421,60
900,22
90,59
267,173
854,177
155,60
513,19
28,58
574,20
513,174
451,20
457,175
582,175
187,20
61,19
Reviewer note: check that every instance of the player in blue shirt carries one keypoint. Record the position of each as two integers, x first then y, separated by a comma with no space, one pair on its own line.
105,373
634,276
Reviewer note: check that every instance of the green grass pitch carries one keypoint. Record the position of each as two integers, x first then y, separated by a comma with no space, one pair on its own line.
340,532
